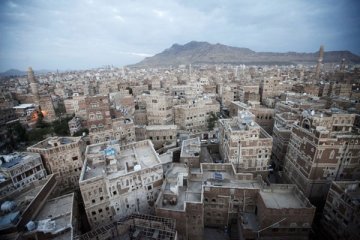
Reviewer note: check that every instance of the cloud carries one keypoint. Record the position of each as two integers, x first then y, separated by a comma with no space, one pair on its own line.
80,34
137,54
12,4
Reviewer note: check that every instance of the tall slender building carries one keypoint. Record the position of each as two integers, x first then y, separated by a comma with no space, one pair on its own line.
45,103
320,59
33,85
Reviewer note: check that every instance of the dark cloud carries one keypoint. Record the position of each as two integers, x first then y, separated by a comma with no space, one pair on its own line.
81,34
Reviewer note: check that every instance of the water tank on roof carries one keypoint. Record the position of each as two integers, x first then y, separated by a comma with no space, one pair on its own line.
137,167
30,226
8,206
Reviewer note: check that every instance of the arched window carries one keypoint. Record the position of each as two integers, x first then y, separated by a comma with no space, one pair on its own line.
306,123
332,154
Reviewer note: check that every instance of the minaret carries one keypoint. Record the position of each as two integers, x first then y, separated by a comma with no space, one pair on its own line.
320,59
33,85
342,65
190,71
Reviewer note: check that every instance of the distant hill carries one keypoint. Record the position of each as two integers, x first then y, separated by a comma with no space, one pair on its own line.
204,52
18,73
12,72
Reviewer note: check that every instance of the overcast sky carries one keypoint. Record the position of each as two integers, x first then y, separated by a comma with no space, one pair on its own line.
79,34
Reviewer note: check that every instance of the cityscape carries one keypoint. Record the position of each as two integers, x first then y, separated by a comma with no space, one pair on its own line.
199,140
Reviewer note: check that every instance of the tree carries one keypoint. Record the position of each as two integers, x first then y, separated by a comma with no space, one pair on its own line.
40,121
212,121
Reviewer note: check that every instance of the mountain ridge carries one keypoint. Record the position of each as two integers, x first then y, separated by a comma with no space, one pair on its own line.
203,52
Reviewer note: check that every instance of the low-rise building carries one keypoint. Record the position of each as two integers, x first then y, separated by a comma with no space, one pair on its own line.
56,219
190,152
282,212
215,195
205,196
135,226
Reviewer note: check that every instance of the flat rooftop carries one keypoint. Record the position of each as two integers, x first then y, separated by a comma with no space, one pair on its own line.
351,189
192,192
22,199
24,106
112,160
284,198
57,213
13,159
161,127
53,142
190,147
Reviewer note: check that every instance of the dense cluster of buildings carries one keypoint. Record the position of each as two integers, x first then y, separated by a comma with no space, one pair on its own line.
167,153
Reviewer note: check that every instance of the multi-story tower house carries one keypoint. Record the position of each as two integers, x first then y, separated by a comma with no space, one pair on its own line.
98,113
323,147
158,134
159,108
269,87
117,181
228,93
249,92
244,143
74,125
264,116
281,135
122,130
76,105
341,216
44,102
193,117
272,87
63,157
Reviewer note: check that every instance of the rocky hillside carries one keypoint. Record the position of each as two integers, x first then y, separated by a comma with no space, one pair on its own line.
203,52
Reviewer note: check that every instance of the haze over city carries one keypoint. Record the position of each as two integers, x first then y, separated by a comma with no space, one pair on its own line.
86,34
